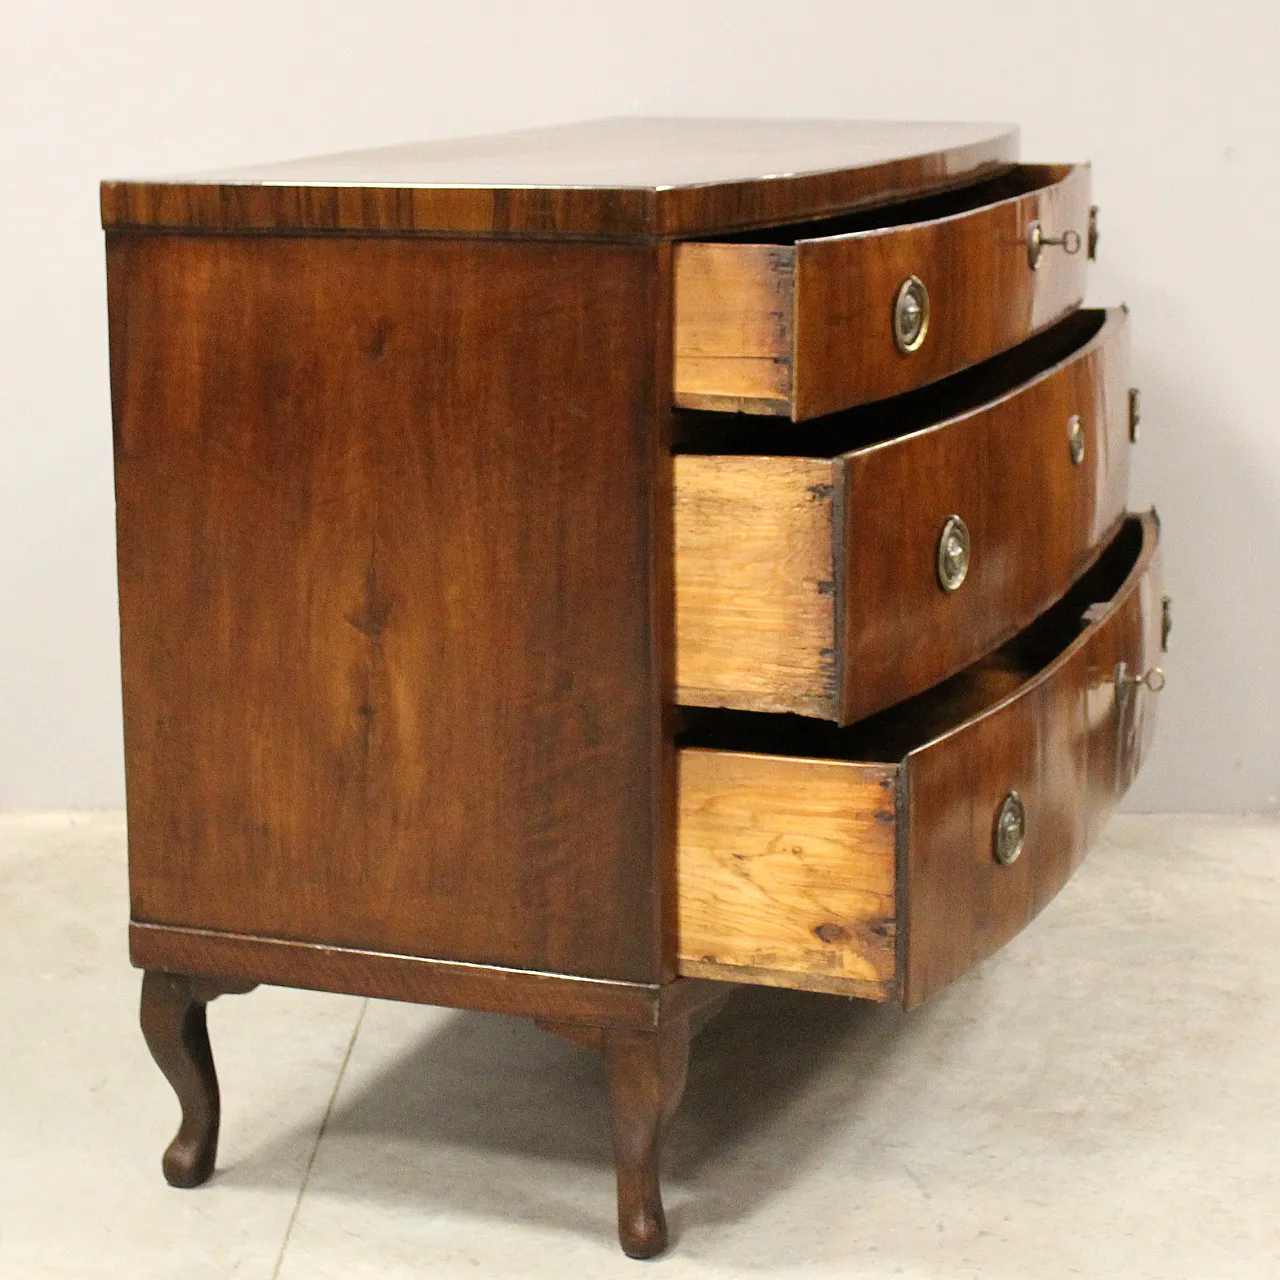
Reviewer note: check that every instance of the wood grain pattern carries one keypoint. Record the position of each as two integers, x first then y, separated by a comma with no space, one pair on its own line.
1055,742
734,316
387,547
787,872
770,618
626,177
836,348
755,596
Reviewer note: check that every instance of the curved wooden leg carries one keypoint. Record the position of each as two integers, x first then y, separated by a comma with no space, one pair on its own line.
173,1025
646,1071
646,1068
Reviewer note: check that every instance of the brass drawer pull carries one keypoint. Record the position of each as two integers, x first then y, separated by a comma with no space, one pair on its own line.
1152,677
1010,832
953,554
1075,439
1069,241
910,315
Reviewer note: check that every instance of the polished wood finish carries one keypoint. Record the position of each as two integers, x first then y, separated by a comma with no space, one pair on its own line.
412,588
175,1029
961,904
754,583
810,585
807,329
785,818
787,872
626,177
387,558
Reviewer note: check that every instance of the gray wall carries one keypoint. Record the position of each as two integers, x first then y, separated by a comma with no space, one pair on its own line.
1176,104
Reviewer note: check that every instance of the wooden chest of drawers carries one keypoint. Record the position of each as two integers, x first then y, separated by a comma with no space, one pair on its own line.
572,573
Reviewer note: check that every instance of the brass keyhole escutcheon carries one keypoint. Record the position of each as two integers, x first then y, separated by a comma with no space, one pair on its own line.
910,315
1010,830
953,554
1075,439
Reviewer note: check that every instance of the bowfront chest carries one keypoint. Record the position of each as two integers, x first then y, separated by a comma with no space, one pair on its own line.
572,573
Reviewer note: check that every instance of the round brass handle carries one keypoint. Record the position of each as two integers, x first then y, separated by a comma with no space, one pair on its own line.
1075,439
910,315
1010,831
1069,241
1152,678
953,554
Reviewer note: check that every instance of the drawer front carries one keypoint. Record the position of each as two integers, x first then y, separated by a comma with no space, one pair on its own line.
811,585
1068,743
855,875
808,328
1035,519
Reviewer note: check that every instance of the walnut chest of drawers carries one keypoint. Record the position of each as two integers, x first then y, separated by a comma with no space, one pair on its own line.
571,573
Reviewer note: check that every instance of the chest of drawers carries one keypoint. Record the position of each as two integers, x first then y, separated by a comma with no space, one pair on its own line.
572,573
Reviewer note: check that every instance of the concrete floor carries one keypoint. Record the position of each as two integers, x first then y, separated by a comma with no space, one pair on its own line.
1098,1100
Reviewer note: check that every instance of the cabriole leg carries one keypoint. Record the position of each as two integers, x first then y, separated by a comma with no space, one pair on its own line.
173,1025
646,1071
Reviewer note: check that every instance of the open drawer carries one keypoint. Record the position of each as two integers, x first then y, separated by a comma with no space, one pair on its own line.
888,858
807,320
815,584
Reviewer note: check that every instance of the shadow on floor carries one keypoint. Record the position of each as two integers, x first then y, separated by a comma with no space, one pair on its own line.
484,1086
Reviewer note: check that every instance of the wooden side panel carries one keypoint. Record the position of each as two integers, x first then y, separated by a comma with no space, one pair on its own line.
984,296
1055,742
1036,521
755,593
386,549
734,307
786,872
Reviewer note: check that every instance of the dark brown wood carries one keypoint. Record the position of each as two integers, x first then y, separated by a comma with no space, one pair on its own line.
984,297
385,976
624,177
176,1032
1061,743
646,1071
387,559
1036,521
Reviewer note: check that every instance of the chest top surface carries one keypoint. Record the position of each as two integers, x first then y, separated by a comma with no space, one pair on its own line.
627,177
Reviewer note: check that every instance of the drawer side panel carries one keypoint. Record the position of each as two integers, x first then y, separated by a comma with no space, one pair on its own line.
786,872
755,593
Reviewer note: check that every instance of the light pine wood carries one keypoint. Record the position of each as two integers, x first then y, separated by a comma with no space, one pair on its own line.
786,872
804,329
755,592
734,310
